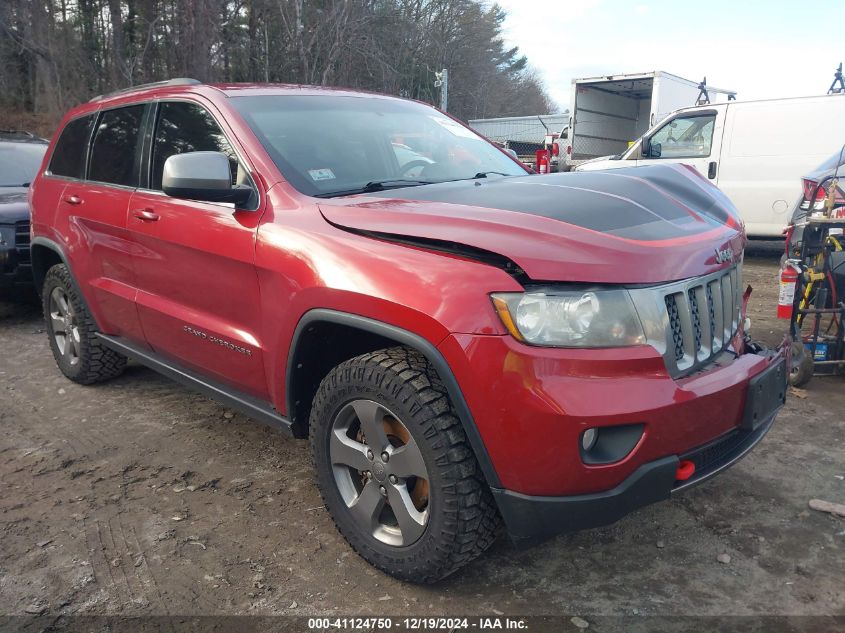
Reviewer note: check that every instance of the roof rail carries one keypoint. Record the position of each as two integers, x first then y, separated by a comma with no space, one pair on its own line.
178,81
18,133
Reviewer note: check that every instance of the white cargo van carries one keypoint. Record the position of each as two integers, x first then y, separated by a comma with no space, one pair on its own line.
755,151
610,112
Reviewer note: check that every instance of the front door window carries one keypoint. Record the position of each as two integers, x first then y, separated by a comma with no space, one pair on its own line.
684,137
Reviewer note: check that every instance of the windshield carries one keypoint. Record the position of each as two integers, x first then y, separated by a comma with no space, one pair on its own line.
328,145
19,162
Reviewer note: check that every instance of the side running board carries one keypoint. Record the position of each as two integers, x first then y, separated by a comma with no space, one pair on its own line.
259,410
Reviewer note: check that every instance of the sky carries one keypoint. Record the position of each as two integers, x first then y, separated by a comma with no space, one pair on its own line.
759,49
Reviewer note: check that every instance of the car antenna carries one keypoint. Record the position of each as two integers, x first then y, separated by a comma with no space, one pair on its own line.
837,79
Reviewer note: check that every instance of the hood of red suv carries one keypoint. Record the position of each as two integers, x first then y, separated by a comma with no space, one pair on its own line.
633,226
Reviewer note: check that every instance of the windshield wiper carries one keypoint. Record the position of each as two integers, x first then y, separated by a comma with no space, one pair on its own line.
483,174
377,185
392,183
25,184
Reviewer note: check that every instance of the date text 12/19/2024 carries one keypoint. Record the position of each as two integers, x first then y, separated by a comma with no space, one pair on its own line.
479,623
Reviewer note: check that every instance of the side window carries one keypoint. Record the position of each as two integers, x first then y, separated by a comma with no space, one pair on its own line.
187,127
69,155
115,157
684,137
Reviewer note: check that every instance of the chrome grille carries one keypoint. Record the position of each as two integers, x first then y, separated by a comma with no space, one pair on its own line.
22,241
695,320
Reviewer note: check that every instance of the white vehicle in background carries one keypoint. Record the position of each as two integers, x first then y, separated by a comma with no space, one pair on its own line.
755,151
524,135
610,112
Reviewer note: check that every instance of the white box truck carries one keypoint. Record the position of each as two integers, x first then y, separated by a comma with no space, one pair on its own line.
610,112
755,151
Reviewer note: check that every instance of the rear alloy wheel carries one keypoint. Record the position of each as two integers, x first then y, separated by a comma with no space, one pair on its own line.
80,355
63,326
395,469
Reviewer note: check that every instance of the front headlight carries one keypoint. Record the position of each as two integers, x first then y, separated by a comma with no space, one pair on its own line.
571,318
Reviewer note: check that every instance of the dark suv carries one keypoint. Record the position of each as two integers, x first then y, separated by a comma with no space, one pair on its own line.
21,153
465,344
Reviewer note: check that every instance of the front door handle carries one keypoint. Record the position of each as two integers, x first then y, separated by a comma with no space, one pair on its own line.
711,170
73,199
146,215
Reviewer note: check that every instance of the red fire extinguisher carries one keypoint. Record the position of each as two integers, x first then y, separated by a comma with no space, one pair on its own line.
542,160
788,278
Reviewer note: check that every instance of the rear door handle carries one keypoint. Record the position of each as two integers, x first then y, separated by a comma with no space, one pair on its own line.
711,170
73,199
147,215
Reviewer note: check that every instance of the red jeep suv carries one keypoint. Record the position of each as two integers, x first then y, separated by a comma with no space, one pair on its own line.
464,343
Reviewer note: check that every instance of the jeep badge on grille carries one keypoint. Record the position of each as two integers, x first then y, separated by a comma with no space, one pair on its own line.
724,255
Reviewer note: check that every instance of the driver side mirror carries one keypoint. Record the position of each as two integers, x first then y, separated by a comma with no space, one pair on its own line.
202,176
649,149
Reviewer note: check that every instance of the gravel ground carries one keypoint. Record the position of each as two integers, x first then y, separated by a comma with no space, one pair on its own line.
139,497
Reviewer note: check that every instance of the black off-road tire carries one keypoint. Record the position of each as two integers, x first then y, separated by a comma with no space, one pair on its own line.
463,520
94,361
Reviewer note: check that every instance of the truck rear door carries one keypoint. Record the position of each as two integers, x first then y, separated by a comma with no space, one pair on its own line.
670,93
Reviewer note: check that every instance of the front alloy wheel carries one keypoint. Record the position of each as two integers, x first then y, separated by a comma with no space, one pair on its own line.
380,472
395,469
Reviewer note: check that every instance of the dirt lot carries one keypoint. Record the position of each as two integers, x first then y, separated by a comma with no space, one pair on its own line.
140,497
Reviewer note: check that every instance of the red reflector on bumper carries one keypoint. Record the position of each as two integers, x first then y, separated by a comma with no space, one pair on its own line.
686,469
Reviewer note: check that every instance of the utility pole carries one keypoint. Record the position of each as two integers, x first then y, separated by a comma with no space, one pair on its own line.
442,82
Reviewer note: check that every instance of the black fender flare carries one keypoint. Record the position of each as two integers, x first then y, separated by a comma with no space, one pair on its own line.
414,341
58,250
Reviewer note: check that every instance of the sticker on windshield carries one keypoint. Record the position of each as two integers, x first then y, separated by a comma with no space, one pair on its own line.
321,174
455,128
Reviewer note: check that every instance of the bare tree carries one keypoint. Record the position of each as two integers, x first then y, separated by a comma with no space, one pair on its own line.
55,53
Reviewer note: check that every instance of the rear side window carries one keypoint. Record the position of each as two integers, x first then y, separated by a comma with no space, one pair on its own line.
69,155
115,155
187,127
